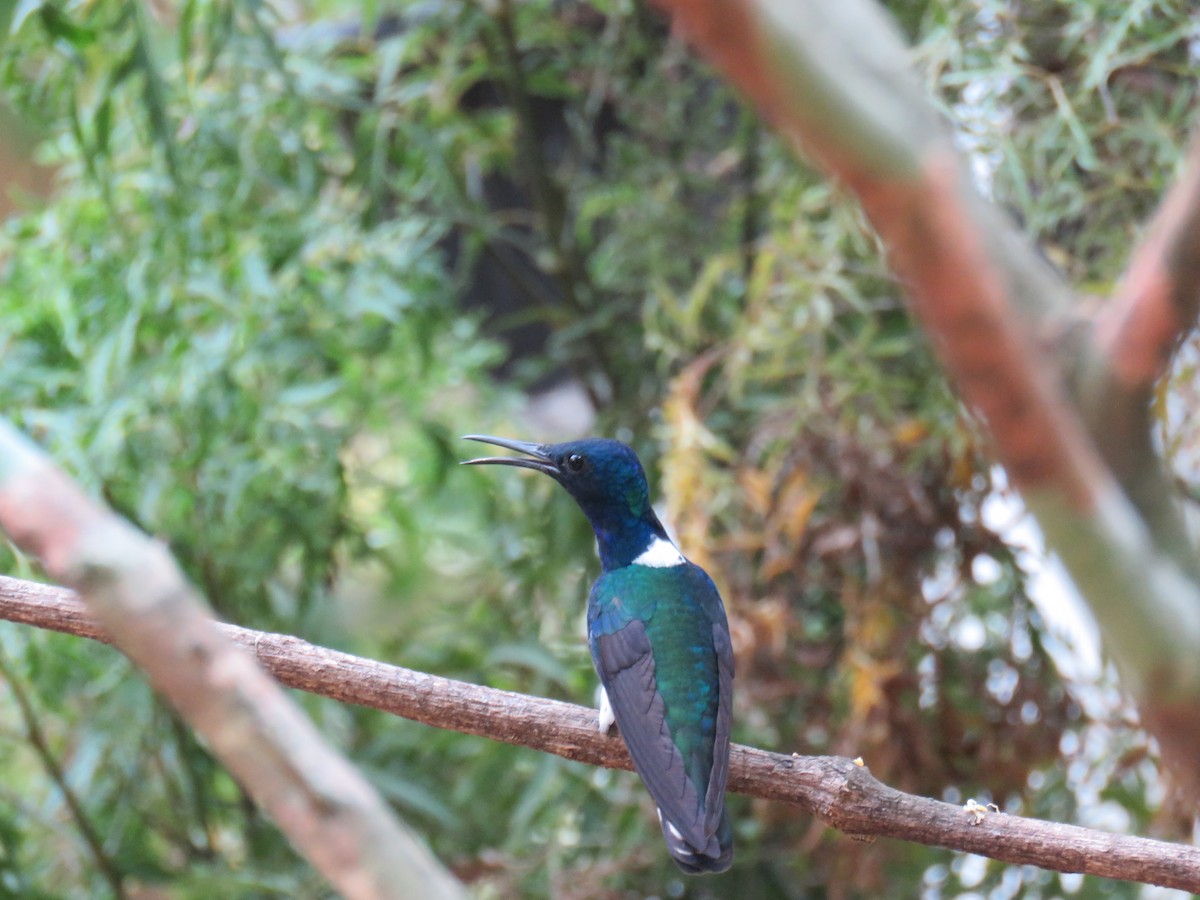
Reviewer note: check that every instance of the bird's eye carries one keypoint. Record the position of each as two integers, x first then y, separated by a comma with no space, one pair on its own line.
575,462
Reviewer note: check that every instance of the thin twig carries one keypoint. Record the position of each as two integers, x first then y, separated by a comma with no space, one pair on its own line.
41,747
750,139
188,750
841,793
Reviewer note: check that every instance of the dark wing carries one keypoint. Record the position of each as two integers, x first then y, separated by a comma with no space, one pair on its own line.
714,798
625,664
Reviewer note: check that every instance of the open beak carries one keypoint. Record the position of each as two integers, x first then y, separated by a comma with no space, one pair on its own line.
535,458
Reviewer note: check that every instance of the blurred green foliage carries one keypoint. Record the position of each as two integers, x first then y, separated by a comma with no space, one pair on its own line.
237,321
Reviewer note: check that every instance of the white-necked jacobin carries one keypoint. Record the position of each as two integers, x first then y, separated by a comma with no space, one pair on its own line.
659,640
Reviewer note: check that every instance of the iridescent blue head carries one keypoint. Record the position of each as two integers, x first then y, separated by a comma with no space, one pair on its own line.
607,481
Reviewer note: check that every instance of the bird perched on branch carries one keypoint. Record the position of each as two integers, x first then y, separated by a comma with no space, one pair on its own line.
659,640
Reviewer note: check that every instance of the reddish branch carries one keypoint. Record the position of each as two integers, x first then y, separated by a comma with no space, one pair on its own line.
841,793
134,589
1159,295
909,181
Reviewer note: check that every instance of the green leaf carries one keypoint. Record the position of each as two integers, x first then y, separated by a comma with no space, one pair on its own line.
21,13
59,26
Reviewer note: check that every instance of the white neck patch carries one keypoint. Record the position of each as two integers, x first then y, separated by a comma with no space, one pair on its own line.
661,554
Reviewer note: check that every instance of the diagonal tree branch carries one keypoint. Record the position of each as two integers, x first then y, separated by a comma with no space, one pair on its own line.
1159,296
1133,338
133,586
838,791
834,79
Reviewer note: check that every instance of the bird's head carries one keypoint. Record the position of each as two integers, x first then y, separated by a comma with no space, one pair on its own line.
604,476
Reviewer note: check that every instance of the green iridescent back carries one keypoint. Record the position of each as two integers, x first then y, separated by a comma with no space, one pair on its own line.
679,606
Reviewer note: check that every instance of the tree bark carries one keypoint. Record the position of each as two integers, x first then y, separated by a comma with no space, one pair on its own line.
839,791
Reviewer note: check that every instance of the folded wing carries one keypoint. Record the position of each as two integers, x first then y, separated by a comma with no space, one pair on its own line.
625,662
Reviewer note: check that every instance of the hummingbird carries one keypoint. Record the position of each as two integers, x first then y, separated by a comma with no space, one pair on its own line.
659,640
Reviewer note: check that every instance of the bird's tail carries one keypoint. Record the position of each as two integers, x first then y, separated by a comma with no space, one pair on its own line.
715,856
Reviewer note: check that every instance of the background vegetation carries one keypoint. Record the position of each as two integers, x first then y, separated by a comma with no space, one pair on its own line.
291,254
